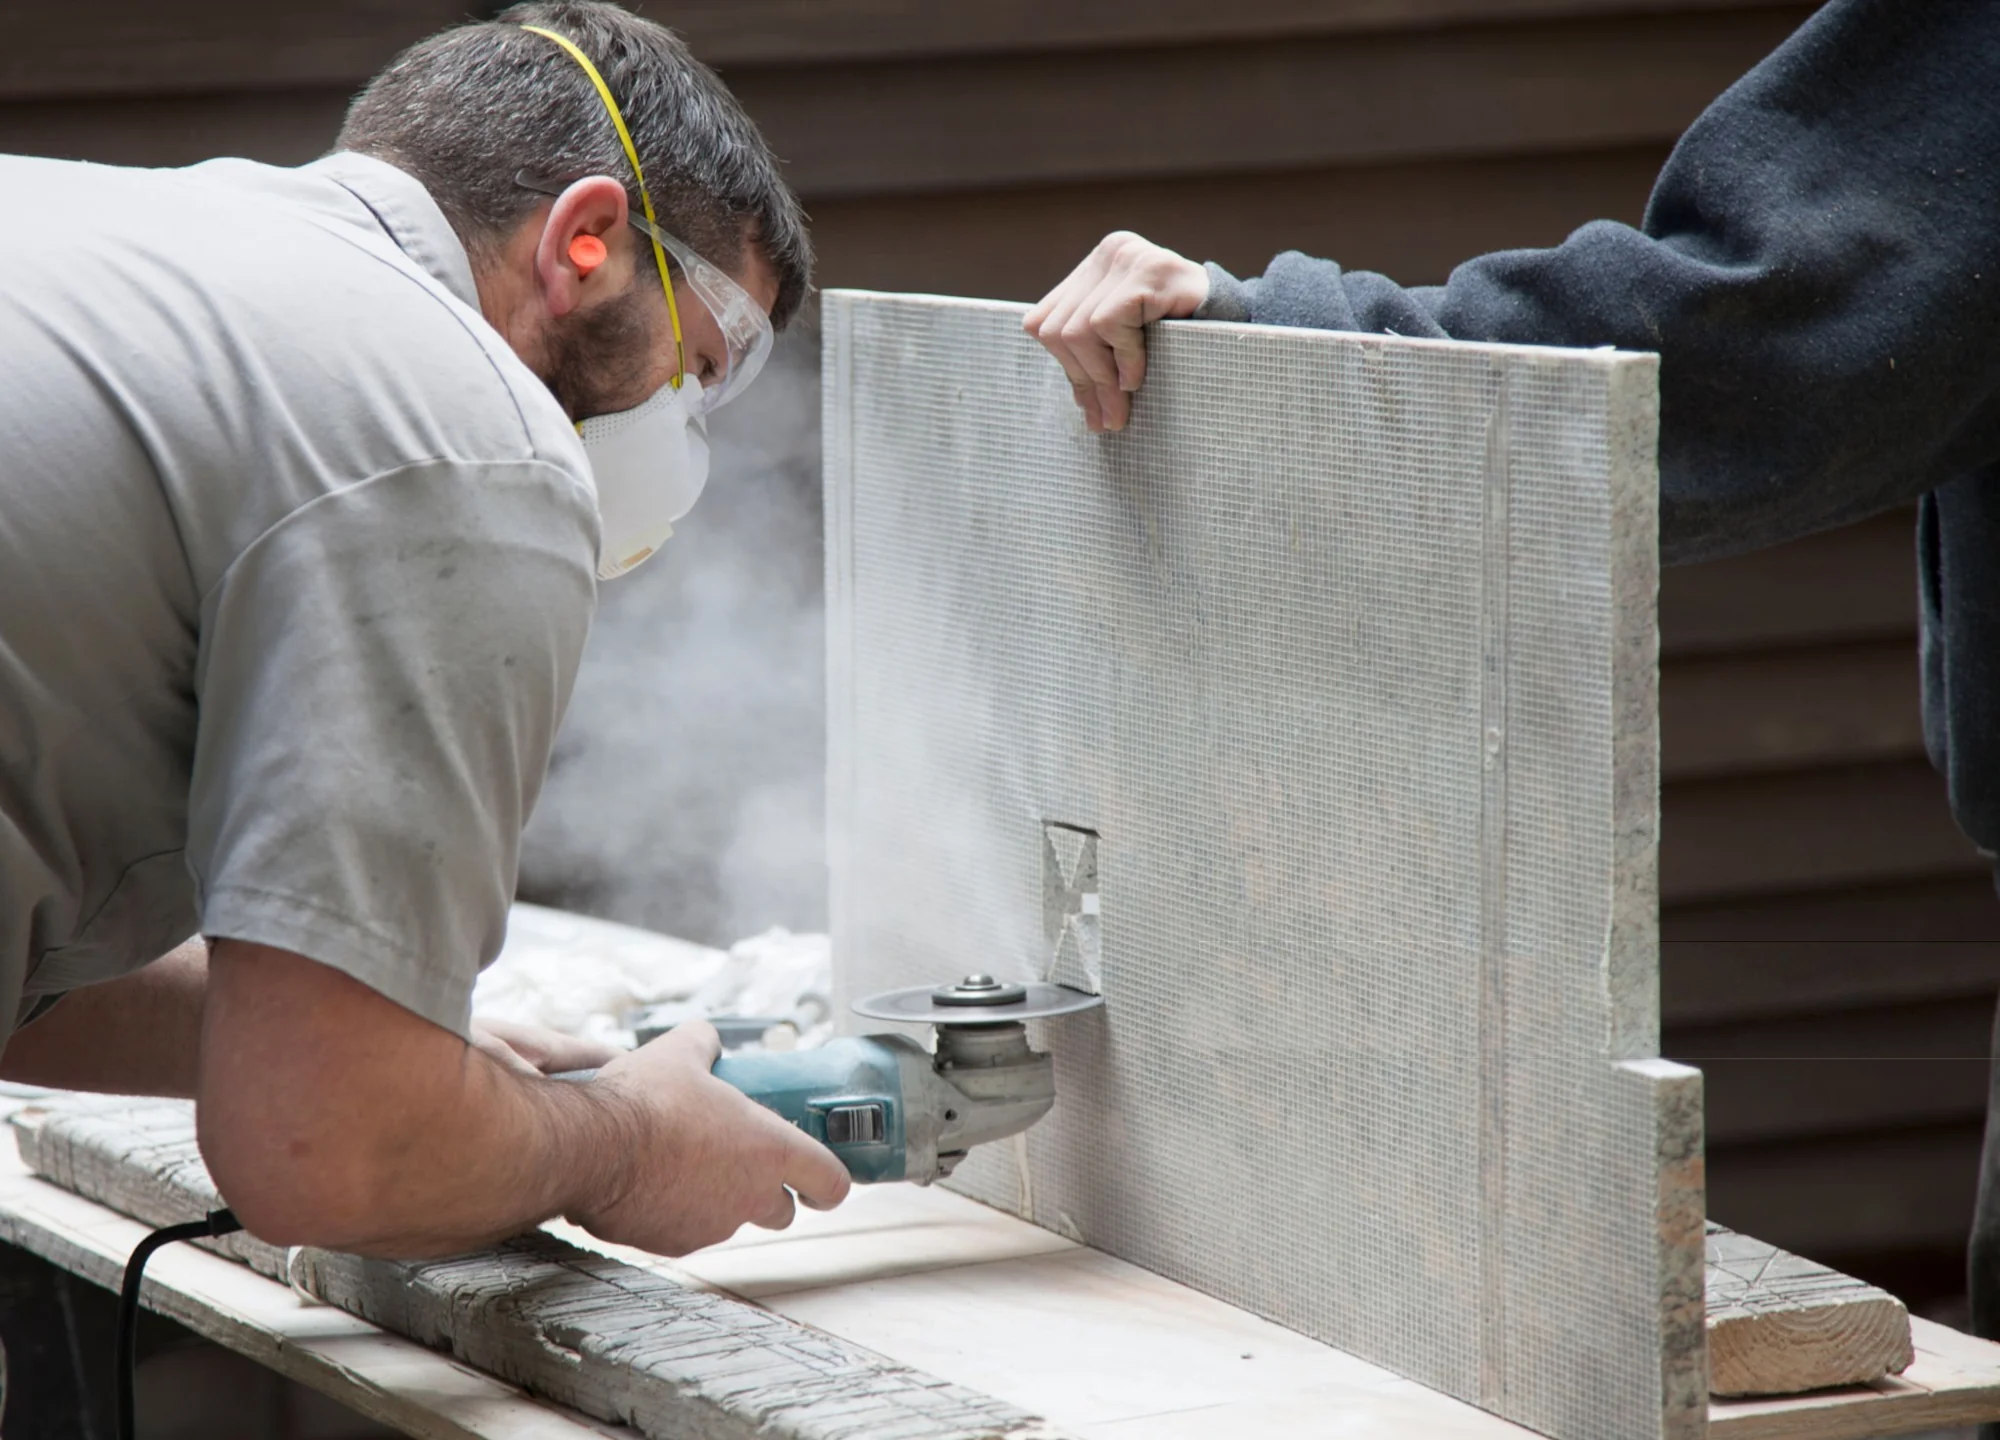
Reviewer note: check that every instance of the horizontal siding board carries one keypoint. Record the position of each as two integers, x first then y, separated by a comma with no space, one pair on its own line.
143,47
1753,1098
1718,981
1855,583
1893,1190
729,32
1809,829
1960,909
279,127
1411,221
984,123
96,47
1765,710
1952,1027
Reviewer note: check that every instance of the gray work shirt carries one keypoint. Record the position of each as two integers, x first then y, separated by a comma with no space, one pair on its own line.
296,565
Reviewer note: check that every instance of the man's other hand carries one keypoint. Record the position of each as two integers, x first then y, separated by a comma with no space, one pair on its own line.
706,1157
1093,322
535,1049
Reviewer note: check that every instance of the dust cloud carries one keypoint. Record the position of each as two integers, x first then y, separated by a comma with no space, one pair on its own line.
687,790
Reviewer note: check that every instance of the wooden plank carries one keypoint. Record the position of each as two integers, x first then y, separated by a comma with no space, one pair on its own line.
1414,221
1890,1191
734,32
1829,705
621,1344
1855,583
280,128
1048,1321
1932,1029
1951,1378
383,1377
1813,829
1779,1324
126,46
1951,909
1946,1385
982,123
1720,981
108,47
1754,1099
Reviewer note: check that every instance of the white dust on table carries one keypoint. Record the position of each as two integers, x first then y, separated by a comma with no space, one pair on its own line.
592,977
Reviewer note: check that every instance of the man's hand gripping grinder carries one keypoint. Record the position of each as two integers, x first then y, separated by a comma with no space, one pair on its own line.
892,1110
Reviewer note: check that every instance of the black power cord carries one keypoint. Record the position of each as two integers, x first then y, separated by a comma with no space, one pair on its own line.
216,1222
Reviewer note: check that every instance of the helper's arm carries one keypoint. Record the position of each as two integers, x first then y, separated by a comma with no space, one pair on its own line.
1819,269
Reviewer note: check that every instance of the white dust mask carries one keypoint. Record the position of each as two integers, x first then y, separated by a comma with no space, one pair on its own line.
650,464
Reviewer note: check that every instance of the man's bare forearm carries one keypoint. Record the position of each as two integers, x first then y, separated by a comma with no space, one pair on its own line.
331,1116
137,1035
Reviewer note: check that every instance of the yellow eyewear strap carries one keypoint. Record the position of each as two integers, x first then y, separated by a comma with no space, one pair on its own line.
645,200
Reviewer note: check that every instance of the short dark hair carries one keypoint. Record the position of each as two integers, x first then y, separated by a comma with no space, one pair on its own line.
472,107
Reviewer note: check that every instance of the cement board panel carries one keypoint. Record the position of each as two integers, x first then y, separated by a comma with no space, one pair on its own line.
1313,720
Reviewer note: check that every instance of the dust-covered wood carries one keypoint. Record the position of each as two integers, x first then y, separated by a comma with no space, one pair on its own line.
606,1338
1779,1324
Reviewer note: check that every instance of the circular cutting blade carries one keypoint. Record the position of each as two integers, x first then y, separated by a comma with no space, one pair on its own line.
919,1005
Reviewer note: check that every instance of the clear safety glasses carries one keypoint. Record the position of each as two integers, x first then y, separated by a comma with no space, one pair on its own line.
745,327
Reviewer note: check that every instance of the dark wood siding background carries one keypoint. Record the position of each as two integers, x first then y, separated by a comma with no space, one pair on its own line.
1832,943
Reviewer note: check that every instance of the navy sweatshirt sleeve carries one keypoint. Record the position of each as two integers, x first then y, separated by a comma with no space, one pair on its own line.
1819,269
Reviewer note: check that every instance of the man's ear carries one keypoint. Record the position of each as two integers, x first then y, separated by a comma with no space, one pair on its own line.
593,207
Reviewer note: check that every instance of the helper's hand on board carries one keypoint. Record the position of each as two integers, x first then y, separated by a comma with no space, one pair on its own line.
537,1050
1092,322
705,1158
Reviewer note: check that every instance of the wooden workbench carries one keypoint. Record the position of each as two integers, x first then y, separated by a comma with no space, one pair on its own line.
1104,1350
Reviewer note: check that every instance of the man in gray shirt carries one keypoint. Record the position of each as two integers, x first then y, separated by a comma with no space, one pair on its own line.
300,518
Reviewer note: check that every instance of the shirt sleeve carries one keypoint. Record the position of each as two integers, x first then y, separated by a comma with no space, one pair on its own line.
379,682
1818,268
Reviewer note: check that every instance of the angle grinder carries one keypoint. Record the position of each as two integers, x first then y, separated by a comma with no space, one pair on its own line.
892,1110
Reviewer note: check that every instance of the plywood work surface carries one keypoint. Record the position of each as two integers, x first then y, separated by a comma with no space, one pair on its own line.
946,1285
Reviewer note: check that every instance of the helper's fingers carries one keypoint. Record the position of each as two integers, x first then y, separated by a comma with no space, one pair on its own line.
1079,282
779,1216
815,1173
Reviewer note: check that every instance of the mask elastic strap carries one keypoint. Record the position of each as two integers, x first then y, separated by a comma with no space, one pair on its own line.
645,200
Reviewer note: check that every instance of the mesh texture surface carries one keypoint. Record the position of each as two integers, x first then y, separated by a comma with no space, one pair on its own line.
1340,661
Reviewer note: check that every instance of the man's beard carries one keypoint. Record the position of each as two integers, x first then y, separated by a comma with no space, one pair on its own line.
595,356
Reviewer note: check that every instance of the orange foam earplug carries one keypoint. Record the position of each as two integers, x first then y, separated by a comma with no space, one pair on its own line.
587,252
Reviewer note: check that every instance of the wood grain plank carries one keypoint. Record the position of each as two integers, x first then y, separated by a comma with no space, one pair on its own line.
1944,1387
383,1377
1812,829
1767,710
981,123
619,1343
1779,1324
1855,583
